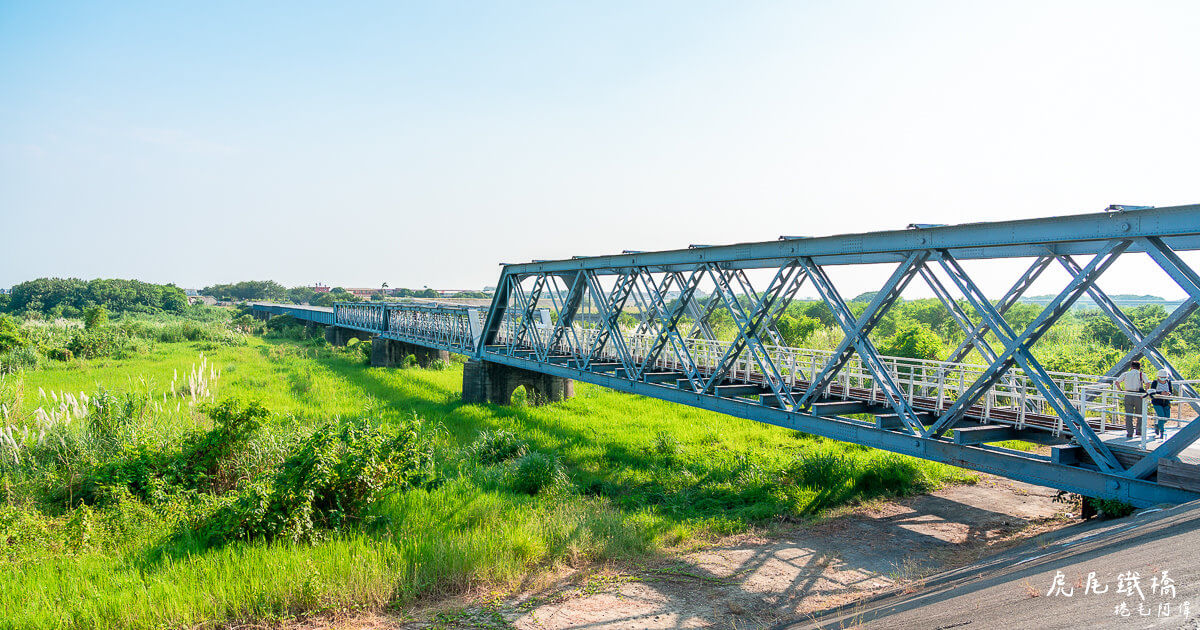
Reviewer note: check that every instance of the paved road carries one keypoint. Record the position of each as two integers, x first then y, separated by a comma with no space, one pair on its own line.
1016,589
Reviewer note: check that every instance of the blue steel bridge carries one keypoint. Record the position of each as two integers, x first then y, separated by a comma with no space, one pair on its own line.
641,322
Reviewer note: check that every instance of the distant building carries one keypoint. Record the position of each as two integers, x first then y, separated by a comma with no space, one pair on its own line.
361,292
202,299
320,288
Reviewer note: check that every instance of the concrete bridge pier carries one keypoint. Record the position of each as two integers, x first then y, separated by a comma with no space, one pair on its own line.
391,353
338,336
485,381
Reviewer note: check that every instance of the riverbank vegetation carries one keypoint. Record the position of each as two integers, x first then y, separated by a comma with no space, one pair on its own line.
260,474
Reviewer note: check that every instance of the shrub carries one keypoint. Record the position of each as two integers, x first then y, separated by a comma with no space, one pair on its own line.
280,323
892,475
797,330
203,461
1110,508
537,471
26,358
11,336
327,482
913,341
60,354
95,317
439,364
203,456
493,447
822,470
92,344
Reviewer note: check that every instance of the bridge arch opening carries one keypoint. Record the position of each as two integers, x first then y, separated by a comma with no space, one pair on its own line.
526,395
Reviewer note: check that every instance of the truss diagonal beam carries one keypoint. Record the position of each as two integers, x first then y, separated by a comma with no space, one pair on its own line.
956,312
668,332
1006,302
1016,351
1189,281
611,306
857,336
568,308
784,284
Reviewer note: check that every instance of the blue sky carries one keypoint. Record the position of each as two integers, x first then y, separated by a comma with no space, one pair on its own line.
423,143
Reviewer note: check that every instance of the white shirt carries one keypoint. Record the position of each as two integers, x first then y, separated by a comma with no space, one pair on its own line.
1133,380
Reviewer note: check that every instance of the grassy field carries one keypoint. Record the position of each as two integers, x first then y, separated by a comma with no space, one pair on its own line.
629,476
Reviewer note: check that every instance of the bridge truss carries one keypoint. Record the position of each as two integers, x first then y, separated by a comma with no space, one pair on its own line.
643,322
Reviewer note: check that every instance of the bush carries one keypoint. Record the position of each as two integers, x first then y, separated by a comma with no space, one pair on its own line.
26,358
101,342
493,447
913,341
796,330
203,456
326,483
203,462
822,470
60,354
11,335
1110,508
280,323
535,472
95,317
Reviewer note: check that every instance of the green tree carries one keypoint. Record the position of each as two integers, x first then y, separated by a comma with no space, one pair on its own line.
248,290
301,295
1021,315
914,341
1105,332
819,311
71,296
796,330
174,299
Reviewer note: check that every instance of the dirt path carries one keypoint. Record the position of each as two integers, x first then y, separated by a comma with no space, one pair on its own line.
759,582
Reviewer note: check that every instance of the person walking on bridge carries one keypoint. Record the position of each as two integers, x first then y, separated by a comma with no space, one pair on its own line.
1134,382
1160,396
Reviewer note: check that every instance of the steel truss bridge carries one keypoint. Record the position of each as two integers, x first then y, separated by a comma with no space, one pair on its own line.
643,322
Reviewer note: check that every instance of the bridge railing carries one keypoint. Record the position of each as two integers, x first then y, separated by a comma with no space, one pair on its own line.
445,327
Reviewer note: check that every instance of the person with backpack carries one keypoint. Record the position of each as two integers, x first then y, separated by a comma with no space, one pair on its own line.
1160,392
1134,382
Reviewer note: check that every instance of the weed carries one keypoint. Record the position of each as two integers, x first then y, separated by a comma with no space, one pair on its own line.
537,471
495,446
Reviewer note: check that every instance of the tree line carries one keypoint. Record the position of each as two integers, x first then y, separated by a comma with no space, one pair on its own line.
70,297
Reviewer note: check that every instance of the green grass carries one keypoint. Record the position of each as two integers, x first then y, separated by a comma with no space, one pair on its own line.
641,474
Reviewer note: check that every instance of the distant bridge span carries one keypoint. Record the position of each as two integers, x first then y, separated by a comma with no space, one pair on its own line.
642,322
